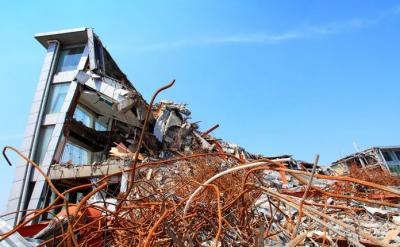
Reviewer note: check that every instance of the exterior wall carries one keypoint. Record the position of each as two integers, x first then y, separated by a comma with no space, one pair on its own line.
20,184
88,171
36,197
27,179
339,169
57,120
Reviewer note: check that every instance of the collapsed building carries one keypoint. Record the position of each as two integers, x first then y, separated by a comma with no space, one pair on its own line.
82,105
115,170
374,160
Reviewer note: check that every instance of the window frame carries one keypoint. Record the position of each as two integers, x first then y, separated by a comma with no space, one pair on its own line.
86,111
43,142
397,154
48,107
388,153
72,142
59,68
94,119
392,165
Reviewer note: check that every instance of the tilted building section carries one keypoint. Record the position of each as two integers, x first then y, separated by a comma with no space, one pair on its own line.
83,104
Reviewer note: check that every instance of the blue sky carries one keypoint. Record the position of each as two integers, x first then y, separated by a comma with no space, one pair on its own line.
299,77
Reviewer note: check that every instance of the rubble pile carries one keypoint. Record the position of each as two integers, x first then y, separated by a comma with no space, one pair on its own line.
375,176
184,187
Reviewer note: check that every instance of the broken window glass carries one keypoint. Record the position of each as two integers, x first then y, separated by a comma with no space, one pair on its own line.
98,156
387,156
56,97
100,125
89,119
43,142
83,116
75,154
69,59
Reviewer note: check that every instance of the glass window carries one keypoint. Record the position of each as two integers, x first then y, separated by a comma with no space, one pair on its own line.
98,156
75,154
83,116
89,119
56,97
397,154
69,59
387,156
43,142
394,169
100,126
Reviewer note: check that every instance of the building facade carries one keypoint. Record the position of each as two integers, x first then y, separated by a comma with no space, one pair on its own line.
375,159
82,105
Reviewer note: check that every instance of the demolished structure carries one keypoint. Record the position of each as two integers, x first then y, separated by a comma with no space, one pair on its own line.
375,159
103,167
82,105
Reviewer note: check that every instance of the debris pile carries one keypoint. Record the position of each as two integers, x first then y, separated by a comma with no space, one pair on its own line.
183,187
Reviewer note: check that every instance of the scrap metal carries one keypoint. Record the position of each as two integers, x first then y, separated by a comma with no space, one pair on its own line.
197,190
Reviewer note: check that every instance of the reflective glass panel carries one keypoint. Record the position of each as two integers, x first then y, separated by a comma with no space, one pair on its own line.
43,142
75,154
56,97
83,116
69,59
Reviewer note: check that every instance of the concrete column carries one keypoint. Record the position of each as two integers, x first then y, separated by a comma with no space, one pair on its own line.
22,172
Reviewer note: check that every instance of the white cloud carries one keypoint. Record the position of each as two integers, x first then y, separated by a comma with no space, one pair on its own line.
339,27
259,37
262,37
252,38
238,38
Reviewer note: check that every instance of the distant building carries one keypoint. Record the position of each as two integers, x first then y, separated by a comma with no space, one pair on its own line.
385,158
